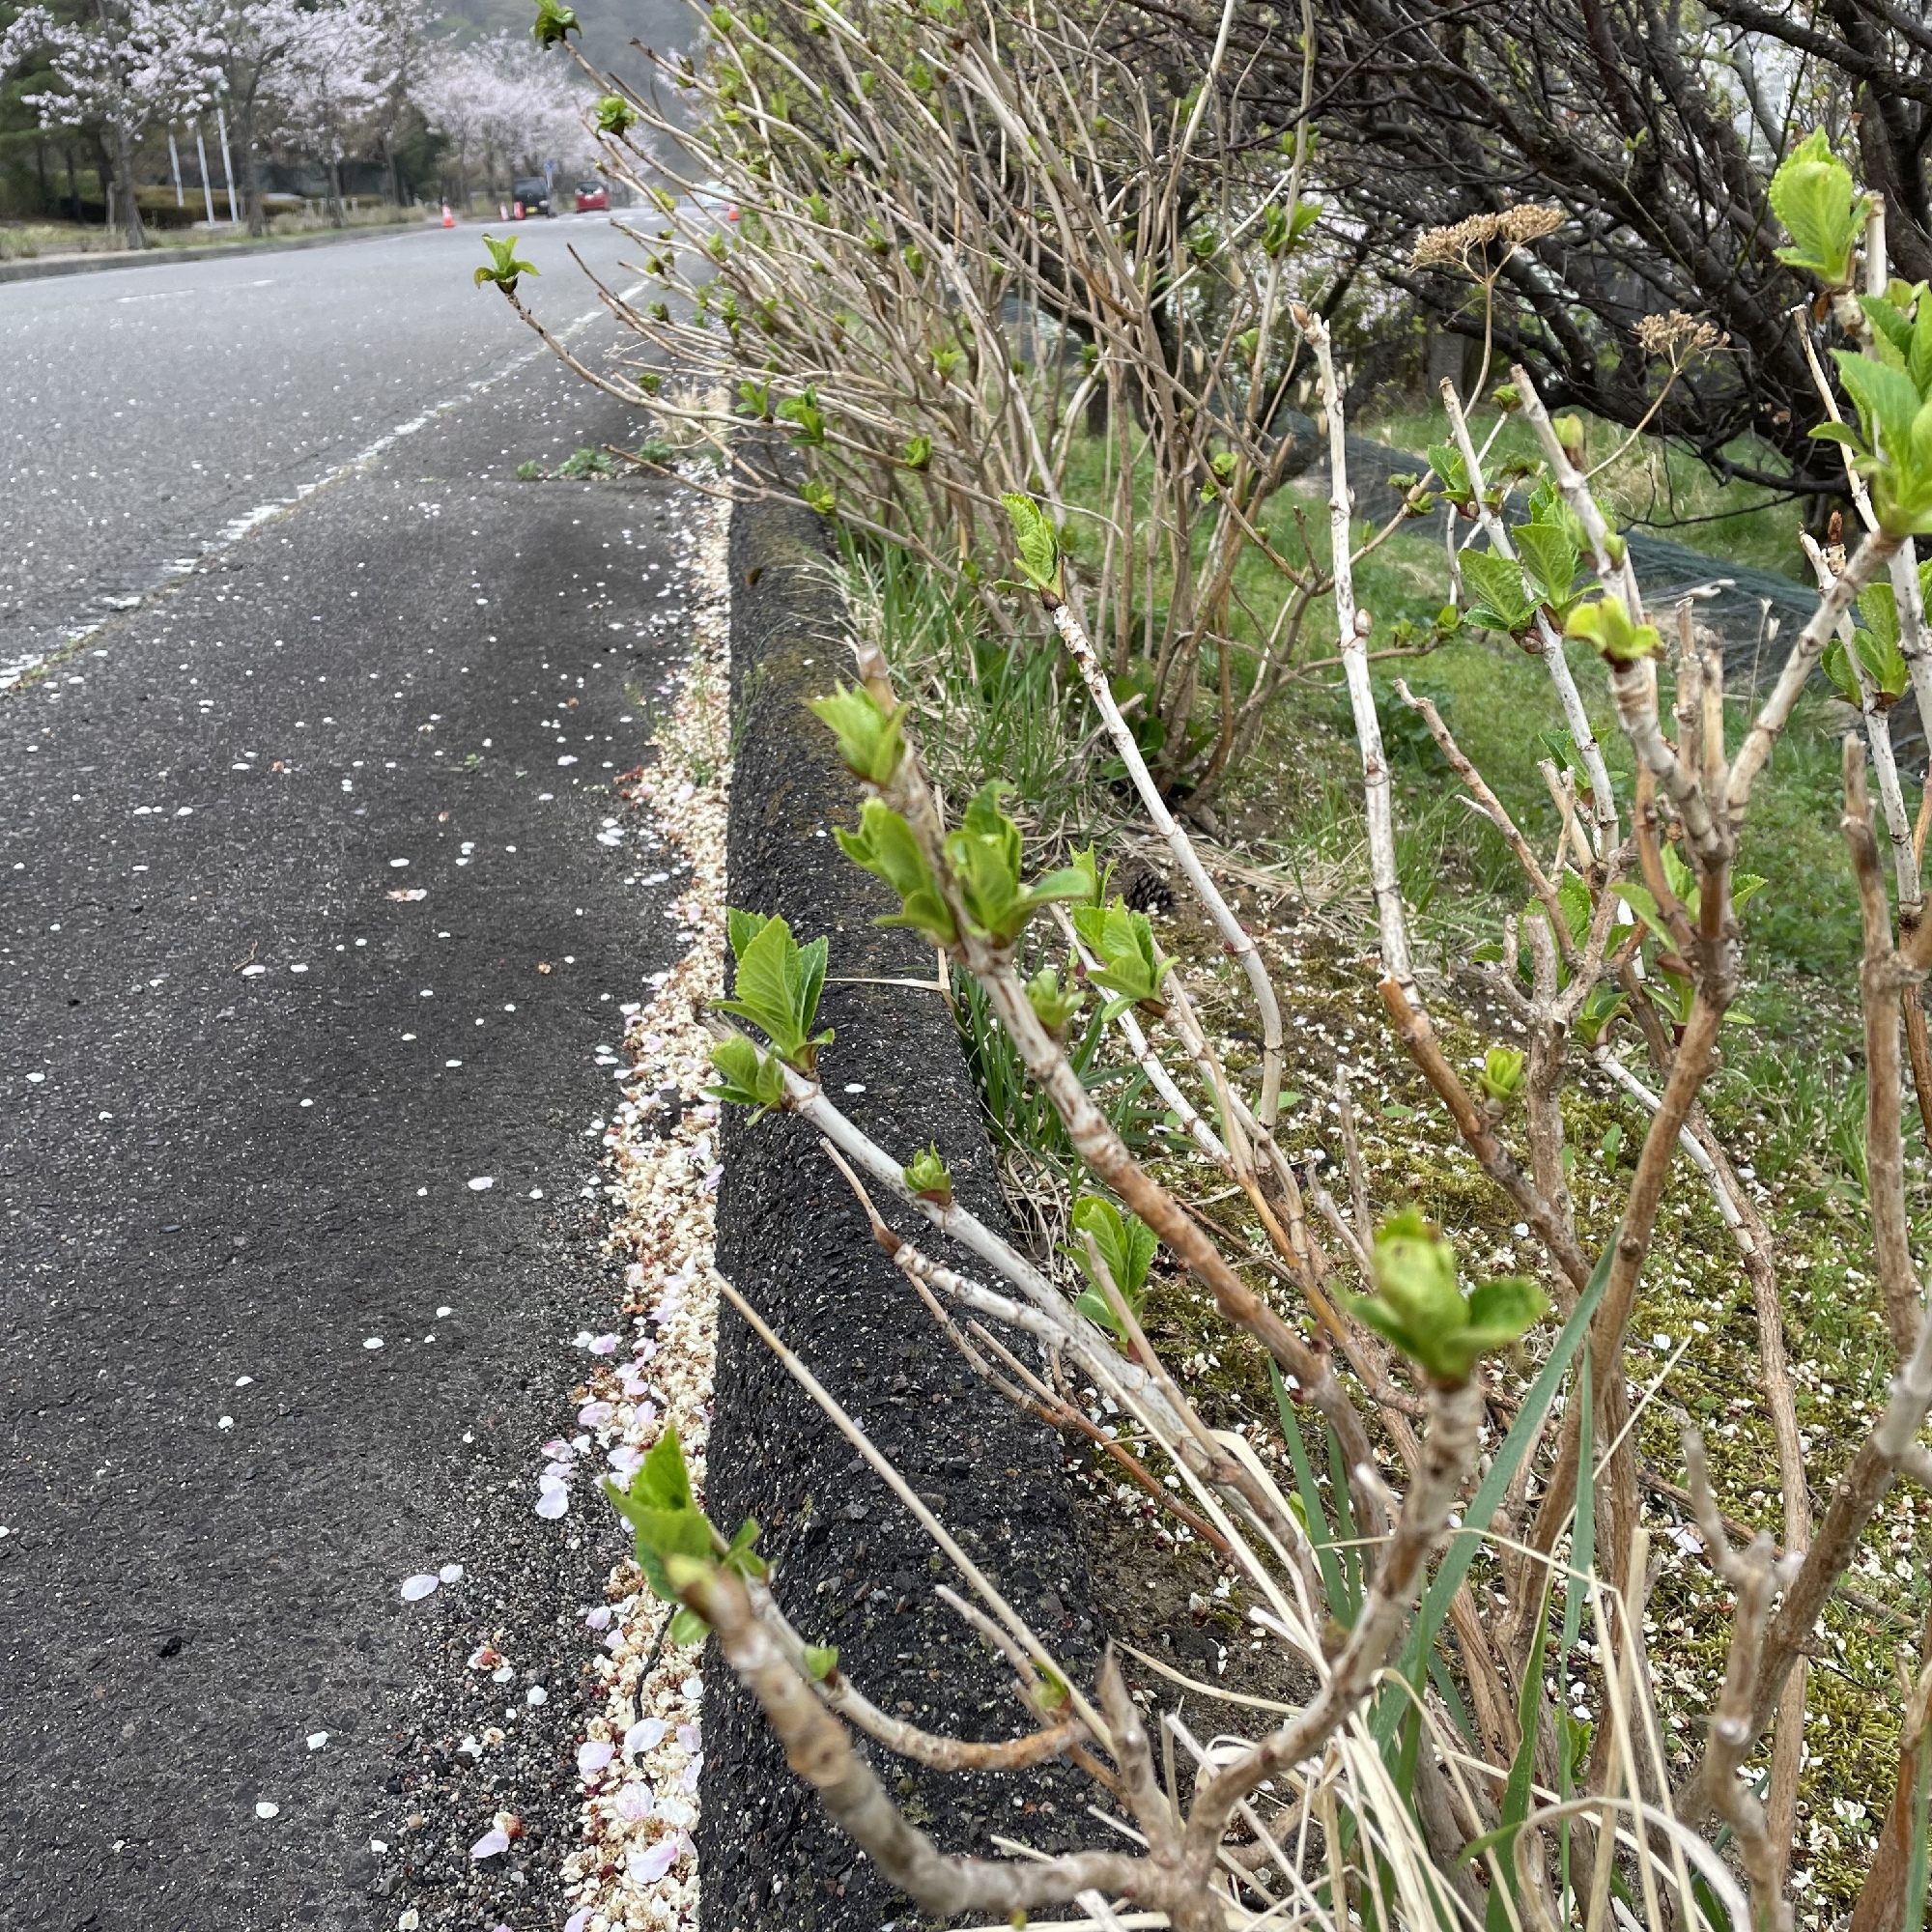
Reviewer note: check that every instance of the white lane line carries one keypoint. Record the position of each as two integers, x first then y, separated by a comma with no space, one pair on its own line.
232,531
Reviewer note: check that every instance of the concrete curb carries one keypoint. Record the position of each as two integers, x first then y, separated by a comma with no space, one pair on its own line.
35,269
852,1567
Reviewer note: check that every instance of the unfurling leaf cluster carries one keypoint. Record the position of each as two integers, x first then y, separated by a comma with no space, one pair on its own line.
1126,1248
777,987
1606,625
1130,969
984,856
503,267
872,740
1420,1309
929,1176
675,1542
1038,543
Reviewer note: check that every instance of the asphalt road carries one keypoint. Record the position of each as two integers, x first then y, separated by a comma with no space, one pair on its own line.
144,411
252,1093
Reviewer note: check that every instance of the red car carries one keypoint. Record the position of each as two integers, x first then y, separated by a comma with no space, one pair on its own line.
592,197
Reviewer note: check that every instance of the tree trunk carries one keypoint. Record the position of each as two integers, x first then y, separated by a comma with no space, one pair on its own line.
252,163
72,183
124,145
130,207
335,191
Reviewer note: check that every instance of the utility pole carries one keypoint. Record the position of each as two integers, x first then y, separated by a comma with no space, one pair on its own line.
207,192
175,163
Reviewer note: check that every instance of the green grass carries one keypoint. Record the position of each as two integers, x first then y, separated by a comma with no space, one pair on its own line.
1657,487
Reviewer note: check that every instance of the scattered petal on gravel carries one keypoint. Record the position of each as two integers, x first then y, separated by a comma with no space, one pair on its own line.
553,1503
593,1758
451,1573
482,1183
267,1808
316,1740
417,1588
493,1841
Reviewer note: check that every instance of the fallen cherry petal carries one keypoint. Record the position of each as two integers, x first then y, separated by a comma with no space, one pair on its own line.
603,1345
635,1803
481,1183
593,1756
647,1867
267,1808
688,1736
417,1588
646,1734
595,1414
451,1573
577,1920
598,1618
489,1844
554,1504
688,1776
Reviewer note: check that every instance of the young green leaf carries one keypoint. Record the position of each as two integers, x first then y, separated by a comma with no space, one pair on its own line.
1419,1308
1501,602
616,115
552,23
1055,1005
748,1077
872,740
1126,1248
503,269
1123,941
1501,1076
929,1176
1812,194
821,1660
1607,624
777,987
1039,560
884,846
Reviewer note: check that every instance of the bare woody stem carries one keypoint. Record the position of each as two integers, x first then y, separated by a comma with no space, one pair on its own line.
1234,937
1351,626
819,1750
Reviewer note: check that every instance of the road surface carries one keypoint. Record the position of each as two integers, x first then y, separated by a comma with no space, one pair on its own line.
145,412
252,1089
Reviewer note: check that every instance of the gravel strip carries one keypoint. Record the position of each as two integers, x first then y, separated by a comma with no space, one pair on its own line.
641,1753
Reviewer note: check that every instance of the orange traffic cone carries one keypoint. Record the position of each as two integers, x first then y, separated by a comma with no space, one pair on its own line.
448,220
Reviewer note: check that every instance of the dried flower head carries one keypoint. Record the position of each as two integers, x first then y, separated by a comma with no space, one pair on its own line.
1677,336
1452,246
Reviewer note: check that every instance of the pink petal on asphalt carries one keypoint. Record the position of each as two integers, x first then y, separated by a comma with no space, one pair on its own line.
556,1447
577,1920
417,1588
603,1345
594,1414
554,1504
635,1803
626,1461
647,1733
593,1756
688,1776
598,1618
647,1867
686,1736
451,1573
493,1841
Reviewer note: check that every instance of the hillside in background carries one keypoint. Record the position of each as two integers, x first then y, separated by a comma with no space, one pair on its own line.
610,26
